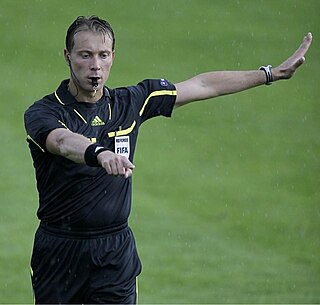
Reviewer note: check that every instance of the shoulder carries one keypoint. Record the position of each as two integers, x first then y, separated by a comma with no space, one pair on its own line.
144,88
151,85
47,105
48,101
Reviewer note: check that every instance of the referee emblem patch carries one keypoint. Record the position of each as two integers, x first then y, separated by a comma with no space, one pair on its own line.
122,146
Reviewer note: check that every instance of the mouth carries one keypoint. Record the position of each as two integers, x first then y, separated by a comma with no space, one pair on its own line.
94,81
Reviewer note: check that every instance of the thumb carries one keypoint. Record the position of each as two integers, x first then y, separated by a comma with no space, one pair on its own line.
299,62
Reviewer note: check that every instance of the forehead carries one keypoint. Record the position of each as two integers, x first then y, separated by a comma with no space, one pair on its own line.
90,40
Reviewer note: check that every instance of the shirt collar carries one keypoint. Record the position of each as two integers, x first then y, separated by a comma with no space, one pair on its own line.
64,97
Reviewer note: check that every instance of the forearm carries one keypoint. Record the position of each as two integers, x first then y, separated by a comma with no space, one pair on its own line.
226,82
214,84
67,144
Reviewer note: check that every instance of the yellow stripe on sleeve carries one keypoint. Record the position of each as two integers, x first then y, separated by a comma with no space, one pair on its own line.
153,94
156,93
63,124
137,291
34,142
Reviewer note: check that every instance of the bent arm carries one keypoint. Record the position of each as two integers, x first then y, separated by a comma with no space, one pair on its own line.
73,146
214,84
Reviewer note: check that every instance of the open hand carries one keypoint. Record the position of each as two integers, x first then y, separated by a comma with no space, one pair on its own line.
289,66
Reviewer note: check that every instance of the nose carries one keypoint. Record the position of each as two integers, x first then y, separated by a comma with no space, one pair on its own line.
95,64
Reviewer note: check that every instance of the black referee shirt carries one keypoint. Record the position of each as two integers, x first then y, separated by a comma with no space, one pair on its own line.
77,196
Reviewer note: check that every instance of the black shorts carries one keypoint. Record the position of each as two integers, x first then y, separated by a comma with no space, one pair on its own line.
82,268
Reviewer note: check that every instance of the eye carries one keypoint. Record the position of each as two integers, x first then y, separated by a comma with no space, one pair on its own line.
105,55
84,55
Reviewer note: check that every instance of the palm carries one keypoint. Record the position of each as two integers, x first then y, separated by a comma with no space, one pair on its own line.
289,66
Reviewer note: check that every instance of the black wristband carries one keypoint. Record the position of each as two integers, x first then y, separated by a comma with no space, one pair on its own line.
91,154
267,71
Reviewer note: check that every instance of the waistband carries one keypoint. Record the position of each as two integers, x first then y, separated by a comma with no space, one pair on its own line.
81,232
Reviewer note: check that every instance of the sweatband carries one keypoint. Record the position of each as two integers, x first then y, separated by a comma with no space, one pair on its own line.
267,71
91,154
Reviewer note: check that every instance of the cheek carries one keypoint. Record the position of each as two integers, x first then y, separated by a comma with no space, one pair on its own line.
110,62
107,66
79,66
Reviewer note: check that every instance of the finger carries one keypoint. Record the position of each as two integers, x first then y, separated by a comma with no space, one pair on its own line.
127,168
120,168
121,165
127,164
297,63
114,168
128,173
107,167
303,48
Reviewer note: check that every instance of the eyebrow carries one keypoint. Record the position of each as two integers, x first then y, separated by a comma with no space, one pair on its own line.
90,51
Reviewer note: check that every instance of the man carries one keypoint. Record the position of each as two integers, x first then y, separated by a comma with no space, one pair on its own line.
82,139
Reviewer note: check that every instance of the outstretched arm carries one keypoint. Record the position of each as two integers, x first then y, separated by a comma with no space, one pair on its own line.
213,84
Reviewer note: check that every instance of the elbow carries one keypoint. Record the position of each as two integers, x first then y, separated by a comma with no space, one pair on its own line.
55,143
207,89
61,147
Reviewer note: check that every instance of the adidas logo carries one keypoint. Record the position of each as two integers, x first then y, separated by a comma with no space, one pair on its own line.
97,121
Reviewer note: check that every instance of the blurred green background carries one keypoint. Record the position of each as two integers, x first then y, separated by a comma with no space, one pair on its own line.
226,193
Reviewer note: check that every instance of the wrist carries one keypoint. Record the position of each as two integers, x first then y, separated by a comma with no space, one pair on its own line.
91,154
276,74
268,73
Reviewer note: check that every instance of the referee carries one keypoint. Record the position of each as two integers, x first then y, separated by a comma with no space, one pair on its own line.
82,139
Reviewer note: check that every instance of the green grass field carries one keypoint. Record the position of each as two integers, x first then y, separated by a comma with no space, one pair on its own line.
226,193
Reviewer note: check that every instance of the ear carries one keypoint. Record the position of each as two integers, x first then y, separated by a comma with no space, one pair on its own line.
66,55
113,56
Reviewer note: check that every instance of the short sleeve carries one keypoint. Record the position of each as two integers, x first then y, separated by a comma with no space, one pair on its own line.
39,120
154,97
